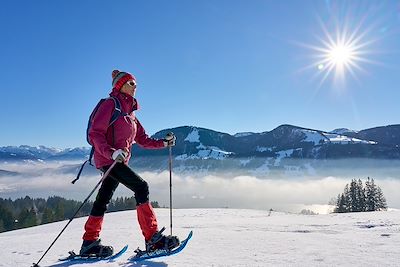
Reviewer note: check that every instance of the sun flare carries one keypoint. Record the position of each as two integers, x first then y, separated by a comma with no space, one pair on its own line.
343,51
339,56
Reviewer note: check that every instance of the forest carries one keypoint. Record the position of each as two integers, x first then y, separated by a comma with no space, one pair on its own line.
27,211
358,197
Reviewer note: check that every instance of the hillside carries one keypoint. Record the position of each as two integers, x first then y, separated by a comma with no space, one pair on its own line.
229,237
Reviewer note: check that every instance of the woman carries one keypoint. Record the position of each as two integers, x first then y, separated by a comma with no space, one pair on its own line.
113,143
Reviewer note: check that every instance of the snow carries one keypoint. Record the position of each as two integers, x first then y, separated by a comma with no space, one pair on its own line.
263,149
210,152
313,136
205,152
33,150
214,153
244,134
342,139
282,154
193,136
336,138
227,237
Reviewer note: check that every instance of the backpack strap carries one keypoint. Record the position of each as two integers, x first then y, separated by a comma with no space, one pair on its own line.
117,110
81,169
90,156
116,113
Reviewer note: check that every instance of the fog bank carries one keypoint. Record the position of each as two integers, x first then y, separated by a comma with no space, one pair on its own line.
196,191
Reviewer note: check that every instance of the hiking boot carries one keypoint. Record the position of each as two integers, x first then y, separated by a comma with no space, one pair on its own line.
160,241
95,249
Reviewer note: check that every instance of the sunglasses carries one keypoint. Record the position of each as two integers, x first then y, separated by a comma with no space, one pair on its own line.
131,83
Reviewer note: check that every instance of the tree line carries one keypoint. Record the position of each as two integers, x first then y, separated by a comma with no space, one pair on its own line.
27,211
357,197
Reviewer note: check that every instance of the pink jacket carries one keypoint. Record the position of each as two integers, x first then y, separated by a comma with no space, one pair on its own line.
122,134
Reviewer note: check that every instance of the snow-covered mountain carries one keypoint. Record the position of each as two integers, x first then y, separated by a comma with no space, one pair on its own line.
226,237
204,149
297,142
24,152
343,131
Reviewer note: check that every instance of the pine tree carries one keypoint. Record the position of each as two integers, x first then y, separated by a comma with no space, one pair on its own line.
347,198
47,216
356,198
27,218
154,204
380,200
360,196
7,219
59,212
370,194
131,203
341,204
353,196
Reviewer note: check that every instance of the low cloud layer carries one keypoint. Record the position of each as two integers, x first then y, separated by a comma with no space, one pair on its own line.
251,192
207,191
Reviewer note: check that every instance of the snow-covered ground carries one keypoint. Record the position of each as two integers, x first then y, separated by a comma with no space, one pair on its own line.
320,137
228,237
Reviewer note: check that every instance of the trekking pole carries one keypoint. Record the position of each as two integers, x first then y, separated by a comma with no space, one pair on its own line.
73,216
170,187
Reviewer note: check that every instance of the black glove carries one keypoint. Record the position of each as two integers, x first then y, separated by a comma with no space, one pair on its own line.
169,140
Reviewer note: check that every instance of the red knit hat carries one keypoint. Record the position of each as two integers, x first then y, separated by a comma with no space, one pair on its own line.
120,78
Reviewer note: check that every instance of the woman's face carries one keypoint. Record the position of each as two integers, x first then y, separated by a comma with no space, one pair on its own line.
129,88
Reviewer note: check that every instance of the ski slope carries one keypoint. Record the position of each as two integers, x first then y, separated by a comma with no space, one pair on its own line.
227,237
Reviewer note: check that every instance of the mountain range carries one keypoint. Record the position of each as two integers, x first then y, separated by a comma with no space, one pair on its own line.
286,150
200,148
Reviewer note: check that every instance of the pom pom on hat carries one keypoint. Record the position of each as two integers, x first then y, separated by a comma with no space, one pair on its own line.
114,73
120,78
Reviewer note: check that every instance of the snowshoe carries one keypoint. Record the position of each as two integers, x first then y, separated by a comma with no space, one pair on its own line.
162,242
142,255
95,249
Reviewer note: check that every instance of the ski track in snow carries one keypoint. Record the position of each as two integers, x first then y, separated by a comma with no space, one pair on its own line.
226,237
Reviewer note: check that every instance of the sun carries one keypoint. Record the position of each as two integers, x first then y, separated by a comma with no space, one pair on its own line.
340,55
342,51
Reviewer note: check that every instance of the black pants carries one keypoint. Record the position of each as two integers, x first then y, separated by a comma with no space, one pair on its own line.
121,173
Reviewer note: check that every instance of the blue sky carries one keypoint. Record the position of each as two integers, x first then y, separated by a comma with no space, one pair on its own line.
231,66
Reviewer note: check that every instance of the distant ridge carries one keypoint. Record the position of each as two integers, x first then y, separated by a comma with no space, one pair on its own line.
196,143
